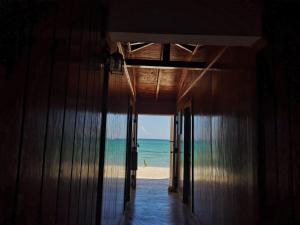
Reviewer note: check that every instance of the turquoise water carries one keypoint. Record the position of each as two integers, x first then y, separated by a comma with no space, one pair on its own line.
153,153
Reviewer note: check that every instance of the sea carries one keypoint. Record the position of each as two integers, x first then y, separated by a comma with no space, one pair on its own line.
153,152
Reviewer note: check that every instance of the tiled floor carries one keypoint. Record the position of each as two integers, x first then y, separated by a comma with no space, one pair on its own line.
153,205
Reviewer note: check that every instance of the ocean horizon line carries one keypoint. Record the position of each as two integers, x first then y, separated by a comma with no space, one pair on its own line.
157,139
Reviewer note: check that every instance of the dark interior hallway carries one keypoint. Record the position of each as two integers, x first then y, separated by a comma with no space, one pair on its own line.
152,204
75,75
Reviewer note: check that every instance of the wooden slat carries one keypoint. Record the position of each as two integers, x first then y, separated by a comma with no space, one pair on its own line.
151,53
136,43
78,146
158,64
129,47
185,72
140,48
158,84
134,80
12,97
119,45
165,54
182,80
184,48
203,73
28,199
196,49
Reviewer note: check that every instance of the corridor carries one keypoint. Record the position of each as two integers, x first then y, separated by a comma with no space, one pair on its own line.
152,204
78,79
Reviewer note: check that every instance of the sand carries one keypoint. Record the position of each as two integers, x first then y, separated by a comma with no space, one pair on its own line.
152,172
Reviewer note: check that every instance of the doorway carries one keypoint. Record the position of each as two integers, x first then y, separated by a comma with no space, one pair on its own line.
153,147
152,203
184,149
188,158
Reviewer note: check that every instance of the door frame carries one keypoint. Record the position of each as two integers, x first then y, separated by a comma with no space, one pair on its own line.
128,154
188,161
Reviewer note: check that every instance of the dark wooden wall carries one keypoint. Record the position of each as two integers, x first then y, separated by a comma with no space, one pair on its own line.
180,140
115,150
279,83
225,151
50,123
246,145
238,17
278,70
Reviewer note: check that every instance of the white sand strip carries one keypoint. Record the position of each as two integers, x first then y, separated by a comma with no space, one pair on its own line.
153,172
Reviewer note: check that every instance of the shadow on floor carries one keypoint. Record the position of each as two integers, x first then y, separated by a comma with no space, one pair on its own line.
153,205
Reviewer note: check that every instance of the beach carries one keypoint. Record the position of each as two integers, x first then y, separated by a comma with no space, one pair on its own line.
153,159
152,172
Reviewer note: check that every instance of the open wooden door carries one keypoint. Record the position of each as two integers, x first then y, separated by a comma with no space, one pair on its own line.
188,178
128,156
134,153
186,157
173,154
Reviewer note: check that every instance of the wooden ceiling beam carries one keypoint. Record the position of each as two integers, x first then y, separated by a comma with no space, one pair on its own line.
166,52
182,80
158,64
184,48
165,56
185,72
129,47
134,79
120,48
136,43
158,84
141,47
195,50
203,73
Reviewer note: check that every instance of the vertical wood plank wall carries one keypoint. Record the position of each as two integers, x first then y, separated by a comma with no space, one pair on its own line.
115,151
181,153
278,69
278,79
225,165
50,123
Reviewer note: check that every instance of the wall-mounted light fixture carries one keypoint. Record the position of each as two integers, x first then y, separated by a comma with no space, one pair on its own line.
116,63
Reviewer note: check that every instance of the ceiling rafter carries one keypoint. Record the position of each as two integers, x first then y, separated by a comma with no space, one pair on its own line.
195,50
184,48
182,80
185,71
138,47
220,53
136,43
129,47
159,64
188,47
134,80
165,54
120,48
158,84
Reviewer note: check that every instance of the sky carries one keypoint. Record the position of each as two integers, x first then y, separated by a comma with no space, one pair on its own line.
154,127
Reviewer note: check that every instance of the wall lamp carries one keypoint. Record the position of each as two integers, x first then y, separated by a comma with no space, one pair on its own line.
116,63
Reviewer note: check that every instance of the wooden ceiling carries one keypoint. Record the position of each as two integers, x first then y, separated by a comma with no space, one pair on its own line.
153,83
163,73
